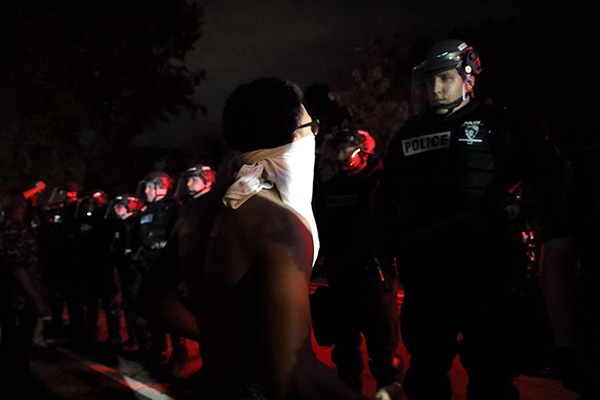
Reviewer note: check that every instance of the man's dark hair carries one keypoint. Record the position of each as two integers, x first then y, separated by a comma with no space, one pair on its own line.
262,114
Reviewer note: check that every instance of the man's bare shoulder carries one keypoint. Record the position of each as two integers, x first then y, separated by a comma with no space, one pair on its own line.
264,219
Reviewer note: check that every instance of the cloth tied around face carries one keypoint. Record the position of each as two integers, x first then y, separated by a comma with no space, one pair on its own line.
288,168
249,182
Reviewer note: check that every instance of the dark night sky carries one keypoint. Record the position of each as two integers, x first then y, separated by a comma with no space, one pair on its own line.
313,41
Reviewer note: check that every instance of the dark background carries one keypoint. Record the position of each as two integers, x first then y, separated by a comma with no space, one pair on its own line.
104,93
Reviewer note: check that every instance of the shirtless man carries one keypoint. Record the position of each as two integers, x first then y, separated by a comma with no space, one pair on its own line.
246,252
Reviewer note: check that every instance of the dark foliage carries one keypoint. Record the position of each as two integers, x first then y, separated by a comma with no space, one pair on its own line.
80,79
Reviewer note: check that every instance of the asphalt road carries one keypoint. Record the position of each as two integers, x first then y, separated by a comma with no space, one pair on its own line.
62,371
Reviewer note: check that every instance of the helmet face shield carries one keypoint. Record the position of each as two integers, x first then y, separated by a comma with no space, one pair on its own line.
344,151
100,199
92,204
143,189
441,61
123,206
195,181
58,197
154,187
439,64
426,93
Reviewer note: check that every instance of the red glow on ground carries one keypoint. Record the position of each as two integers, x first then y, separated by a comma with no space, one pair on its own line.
103,368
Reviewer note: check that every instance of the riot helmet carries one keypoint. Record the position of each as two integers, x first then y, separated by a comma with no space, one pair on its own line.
345,151
123,206
445,60
64,194
195,181
92,204
154,187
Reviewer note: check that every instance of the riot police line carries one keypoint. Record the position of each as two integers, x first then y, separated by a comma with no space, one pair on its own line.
94,251
473,181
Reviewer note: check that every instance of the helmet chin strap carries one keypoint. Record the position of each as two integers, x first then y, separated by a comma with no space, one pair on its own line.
451,106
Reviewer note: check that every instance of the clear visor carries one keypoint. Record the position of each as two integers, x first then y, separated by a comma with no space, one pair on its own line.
58,196
182,191
84,207
140,192
334,155
419,95
439,64
423,87
116,209
110,211
89,205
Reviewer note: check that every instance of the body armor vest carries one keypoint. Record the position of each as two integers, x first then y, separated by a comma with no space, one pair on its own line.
155,224
452,168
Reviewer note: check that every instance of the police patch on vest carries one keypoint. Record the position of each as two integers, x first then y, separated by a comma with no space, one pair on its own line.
146,219
348,200
424,143
471,131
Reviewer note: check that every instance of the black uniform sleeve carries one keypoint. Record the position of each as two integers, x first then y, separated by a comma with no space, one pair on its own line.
172,215
385,205
545,175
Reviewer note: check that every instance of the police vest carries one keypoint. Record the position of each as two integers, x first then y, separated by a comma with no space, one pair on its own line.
343,210
448,167
155,224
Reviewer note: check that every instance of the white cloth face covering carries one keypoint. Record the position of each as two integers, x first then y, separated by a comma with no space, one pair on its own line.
290,169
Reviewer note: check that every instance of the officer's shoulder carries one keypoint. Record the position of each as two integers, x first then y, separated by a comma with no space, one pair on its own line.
508,113
413,122
210,201
170,203
374,166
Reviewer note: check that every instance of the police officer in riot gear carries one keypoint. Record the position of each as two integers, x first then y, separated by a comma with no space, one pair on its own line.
56,250
156,222
363,290
445,199
195,182
123,215
158,216
95,276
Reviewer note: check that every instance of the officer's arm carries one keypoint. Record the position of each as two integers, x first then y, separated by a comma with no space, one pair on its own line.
546,175
385,204
552,176
156,299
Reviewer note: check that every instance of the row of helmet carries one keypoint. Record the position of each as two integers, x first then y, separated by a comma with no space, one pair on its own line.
343,150
193,182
